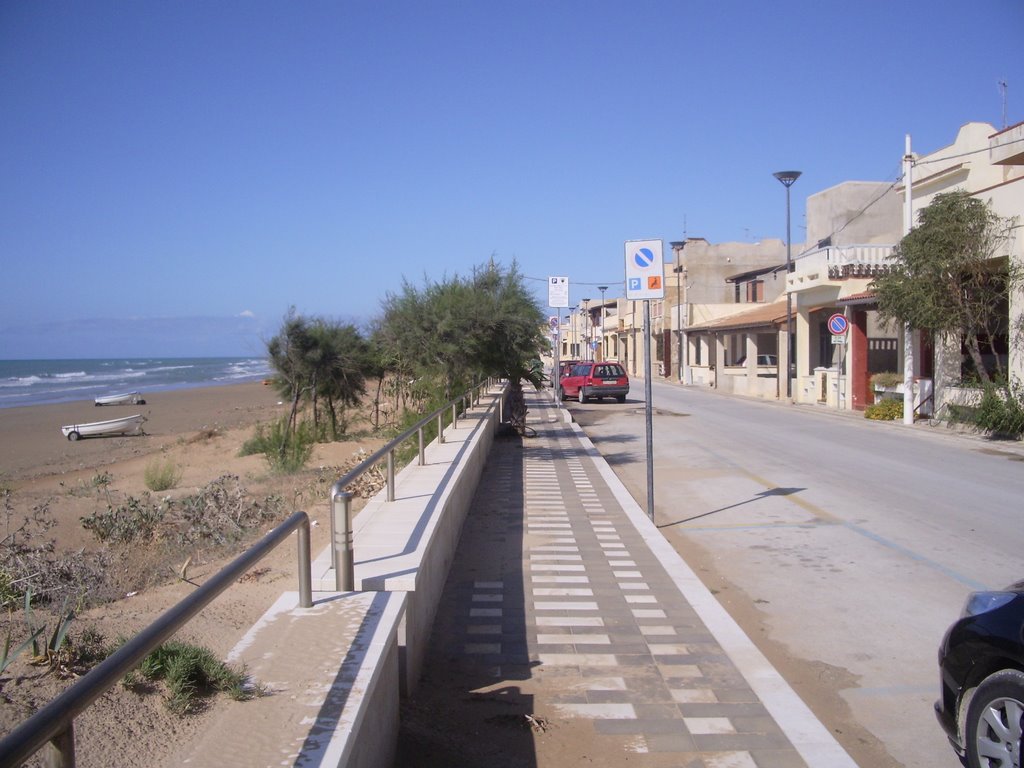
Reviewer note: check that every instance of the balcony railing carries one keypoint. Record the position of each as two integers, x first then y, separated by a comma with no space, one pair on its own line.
839,262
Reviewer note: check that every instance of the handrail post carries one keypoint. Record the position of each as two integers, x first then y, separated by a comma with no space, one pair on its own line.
440,428
423,454
501,409
455,416
305,566
341,515
60,750
391,475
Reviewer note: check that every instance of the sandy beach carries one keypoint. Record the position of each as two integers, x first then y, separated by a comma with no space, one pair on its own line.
32,445
201,431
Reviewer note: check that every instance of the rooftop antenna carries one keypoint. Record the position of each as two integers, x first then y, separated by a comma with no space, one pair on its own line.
1002,88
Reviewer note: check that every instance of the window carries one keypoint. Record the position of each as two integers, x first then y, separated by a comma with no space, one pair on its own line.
755,291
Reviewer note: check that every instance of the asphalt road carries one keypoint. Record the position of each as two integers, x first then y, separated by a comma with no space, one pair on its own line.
851,543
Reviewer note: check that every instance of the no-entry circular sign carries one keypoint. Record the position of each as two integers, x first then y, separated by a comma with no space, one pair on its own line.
838,324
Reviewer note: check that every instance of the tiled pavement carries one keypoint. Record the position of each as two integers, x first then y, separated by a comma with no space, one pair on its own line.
558,595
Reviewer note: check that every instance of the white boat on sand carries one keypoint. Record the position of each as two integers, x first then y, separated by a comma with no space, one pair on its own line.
125,398
126,425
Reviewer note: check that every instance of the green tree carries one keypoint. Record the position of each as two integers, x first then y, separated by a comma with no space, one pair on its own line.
342,363
458,329
289,353
952,275
317,359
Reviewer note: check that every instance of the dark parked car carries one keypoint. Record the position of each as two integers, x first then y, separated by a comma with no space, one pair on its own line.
761,360
595,380
981,664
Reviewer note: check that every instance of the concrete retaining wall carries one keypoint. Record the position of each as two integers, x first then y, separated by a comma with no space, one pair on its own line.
407,545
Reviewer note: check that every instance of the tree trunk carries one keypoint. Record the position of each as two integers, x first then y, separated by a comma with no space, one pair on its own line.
974,349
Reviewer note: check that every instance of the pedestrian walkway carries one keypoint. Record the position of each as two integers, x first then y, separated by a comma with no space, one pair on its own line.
566,604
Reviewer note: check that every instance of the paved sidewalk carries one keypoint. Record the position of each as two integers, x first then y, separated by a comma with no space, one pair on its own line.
565,603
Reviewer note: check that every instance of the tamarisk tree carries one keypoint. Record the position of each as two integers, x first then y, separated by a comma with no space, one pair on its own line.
952,276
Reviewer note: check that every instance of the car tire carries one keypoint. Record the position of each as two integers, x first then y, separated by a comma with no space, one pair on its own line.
561,394
621,398
994,719
580,396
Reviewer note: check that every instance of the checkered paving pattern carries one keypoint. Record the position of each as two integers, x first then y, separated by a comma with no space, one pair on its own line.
553,590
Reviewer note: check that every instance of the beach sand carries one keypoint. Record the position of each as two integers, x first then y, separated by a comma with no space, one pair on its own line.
201,431
32,445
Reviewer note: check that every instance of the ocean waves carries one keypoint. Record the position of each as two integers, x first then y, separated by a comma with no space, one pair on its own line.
35,382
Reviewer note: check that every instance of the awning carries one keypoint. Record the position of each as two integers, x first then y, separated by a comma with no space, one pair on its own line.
763,316
857,299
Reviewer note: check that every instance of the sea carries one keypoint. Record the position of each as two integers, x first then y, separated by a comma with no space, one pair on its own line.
38,382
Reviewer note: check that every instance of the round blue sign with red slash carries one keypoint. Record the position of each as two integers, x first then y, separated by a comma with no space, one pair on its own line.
838,324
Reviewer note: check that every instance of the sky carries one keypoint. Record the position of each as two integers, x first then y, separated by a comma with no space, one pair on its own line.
175,176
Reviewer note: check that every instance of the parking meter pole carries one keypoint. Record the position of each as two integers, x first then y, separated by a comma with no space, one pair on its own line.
648,411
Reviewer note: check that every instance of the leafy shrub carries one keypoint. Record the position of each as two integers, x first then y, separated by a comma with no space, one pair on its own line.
886,410
219,514
1000,412
886,379
135,520
30,561
162,475
286,452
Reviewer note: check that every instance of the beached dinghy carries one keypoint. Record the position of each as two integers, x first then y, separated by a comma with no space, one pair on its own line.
127,425
125,398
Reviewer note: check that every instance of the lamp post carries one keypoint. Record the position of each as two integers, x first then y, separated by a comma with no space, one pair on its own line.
787,178
680,272
604,354
586,329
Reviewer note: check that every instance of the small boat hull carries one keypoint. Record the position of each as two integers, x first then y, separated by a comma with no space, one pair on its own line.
125,398
127,425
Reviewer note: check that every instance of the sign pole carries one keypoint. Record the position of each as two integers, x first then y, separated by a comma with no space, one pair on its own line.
558,299
645,272
648,411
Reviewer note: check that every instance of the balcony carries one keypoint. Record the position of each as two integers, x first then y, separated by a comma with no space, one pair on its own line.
1007,147
826,266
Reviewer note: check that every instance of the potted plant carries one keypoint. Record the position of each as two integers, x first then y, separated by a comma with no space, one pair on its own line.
887,381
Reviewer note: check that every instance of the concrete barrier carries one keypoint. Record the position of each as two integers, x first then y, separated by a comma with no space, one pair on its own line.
407,545
335,672
331,679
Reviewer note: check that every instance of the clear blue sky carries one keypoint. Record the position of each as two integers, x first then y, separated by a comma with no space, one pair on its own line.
175,175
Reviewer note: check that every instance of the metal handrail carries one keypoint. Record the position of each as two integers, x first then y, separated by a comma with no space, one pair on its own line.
341,500
54,723
388,449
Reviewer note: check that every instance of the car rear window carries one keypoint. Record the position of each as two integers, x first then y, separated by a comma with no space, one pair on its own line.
609,372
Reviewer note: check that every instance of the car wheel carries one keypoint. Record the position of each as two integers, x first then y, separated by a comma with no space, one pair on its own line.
621,398
994,720
582,398
561,394
73,436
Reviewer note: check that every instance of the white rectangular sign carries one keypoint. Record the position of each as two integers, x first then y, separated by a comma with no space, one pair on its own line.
645,270
558,291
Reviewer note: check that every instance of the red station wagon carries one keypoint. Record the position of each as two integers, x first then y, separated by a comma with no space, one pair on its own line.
595,380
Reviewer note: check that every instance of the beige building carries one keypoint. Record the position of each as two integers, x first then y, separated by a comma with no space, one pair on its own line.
989,164
722,322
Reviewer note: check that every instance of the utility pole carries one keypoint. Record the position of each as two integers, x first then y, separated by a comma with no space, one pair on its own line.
908,335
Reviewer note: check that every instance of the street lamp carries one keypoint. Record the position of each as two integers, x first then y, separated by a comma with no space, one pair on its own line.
788,178
604,354
680,271
586,329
